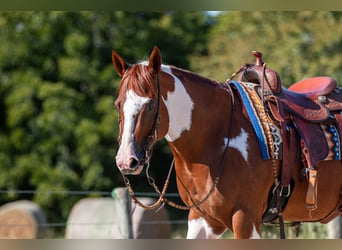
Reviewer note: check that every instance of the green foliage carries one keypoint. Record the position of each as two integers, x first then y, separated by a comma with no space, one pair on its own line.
296,44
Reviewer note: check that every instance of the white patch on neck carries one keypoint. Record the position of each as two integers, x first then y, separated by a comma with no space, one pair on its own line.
131,108
179,106
239,143
255,234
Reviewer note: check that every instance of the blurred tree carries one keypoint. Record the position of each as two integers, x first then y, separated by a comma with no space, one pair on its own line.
297,44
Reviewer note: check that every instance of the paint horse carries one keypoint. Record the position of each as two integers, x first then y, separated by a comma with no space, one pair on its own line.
222,176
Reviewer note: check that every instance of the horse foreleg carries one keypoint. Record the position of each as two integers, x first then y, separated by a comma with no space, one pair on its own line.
198,228
244,227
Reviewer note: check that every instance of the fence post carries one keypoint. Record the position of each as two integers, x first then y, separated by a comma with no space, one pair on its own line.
123,203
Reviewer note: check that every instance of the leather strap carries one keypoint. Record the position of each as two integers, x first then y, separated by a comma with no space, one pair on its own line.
311,195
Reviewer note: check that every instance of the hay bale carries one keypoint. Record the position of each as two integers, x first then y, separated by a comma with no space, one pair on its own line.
92,218
22,220
97,218
149,224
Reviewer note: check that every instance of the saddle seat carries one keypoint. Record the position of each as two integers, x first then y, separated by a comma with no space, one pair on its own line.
314,87
300,105
307,97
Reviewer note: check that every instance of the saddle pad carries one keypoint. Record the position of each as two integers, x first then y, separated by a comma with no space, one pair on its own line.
254,110
334,142
328,148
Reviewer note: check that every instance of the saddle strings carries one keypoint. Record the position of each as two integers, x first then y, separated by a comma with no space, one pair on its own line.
242,68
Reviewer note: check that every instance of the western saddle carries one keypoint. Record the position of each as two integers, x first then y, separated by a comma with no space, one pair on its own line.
300,111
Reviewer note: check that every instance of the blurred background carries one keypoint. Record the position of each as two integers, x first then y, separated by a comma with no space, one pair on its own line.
58,124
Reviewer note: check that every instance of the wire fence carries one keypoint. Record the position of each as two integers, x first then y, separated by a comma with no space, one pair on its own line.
87,193
104,193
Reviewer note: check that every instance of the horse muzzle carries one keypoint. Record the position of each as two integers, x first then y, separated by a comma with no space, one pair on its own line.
127,161
132,167
132,171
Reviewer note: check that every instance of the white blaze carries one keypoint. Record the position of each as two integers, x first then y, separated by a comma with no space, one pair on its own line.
131,108
179,106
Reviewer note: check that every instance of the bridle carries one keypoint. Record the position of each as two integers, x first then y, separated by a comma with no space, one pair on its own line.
148,153
154,132
148,148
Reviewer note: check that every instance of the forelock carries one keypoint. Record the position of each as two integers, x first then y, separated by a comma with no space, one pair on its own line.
139,79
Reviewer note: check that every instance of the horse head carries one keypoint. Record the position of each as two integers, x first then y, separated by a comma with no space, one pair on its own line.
138,104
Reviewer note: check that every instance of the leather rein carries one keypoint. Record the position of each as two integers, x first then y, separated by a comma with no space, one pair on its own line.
146,161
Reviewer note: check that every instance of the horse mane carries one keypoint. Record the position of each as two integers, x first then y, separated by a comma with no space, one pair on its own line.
193,76
140,79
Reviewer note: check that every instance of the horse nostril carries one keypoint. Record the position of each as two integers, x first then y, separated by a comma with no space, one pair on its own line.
134,163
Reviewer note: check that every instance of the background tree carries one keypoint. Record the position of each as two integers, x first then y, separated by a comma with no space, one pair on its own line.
296,44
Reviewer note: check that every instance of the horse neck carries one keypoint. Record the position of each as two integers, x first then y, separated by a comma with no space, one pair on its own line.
198,111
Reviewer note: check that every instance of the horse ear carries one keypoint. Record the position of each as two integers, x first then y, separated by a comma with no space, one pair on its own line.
119,64
155,60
